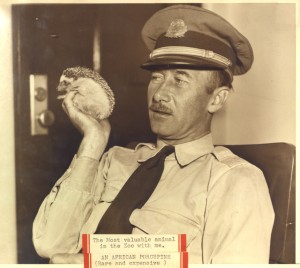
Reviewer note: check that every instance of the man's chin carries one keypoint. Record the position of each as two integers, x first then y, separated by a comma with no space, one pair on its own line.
161,132
162,125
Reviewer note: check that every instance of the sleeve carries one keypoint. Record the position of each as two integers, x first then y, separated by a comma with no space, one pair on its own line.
56,228
238,219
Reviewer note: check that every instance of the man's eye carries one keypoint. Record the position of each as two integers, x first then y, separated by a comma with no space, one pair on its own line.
156,77
180,82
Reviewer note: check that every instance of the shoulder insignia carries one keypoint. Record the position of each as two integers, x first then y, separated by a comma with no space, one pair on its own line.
228,158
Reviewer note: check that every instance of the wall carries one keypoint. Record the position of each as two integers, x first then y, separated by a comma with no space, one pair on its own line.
262,108
7,166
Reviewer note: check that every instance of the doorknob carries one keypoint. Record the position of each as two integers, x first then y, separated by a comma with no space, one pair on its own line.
46,118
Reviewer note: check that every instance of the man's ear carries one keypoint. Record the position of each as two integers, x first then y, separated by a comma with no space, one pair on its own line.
218,98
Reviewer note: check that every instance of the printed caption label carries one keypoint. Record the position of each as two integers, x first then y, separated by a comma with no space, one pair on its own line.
167,251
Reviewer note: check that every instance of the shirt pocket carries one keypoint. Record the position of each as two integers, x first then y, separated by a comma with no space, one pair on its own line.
164,222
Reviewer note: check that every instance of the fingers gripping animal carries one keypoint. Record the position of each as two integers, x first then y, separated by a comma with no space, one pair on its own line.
94,96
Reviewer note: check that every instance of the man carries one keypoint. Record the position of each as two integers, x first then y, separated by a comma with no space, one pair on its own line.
218,199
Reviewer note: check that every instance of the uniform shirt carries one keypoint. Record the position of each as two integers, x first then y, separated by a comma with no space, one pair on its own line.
219,200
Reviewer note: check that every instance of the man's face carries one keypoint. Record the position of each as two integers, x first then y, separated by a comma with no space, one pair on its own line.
177,103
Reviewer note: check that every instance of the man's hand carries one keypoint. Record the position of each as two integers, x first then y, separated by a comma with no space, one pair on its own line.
95,134
65,258
83,122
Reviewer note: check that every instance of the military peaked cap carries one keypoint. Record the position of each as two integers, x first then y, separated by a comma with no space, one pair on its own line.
192,37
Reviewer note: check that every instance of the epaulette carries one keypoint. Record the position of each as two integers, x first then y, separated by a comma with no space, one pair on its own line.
227,157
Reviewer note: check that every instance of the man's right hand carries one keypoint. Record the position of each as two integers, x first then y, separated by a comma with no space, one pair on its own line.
95,134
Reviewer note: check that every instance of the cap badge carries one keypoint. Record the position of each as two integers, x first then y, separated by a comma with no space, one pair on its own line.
177,29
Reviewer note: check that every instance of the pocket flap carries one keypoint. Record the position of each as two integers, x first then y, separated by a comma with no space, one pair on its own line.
164,222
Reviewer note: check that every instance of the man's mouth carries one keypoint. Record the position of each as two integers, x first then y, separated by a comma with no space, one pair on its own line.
160,109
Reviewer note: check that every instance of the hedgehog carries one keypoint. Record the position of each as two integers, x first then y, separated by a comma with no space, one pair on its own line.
94,96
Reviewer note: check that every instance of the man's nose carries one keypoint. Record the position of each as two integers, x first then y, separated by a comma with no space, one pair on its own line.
162,93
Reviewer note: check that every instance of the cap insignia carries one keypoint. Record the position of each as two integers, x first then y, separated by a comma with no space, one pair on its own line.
177,29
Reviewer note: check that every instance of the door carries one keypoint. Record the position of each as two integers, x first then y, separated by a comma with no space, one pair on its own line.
47,39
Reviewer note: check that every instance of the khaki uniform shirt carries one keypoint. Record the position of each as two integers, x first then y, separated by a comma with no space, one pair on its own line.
219,200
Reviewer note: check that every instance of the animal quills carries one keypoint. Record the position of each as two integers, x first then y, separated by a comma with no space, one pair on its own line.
93,95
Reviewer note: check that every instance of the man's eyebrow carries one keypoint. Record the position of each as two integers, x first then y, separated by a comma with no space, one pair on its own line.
182,72
157,71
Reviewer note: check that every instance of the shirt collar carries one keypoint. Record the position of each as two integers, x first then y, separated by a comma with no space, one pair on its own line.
185,153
